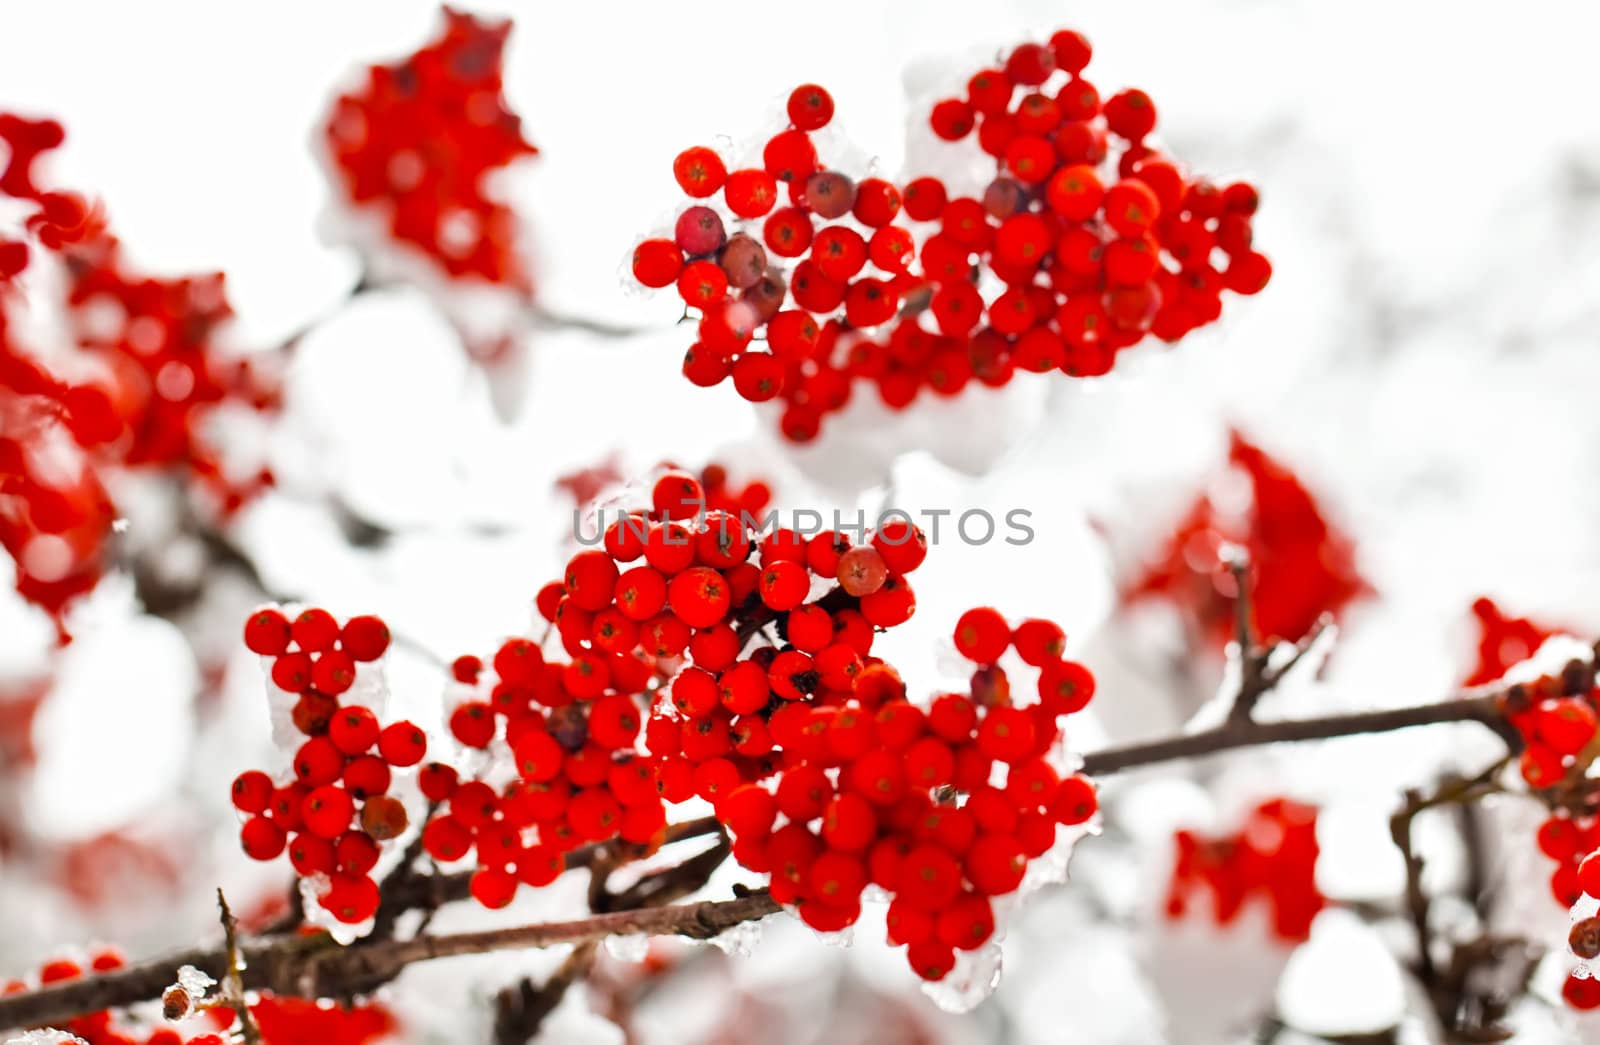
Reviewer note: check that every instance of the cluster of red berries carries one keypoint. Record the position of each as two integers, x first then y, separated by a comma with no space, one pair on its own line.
144,386
872,789
336,812
570,729
1273,857
1301,565
1555,715
1094,246
1503,641
572,726
723,496
418,141
103,1027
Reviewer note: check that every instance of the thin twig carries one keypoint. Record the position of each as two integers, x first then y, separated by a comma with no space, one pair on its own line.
521,1009
233,979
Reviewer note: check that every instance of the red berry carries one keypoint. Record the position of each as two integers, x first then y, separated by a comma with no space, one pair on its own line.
810,107
982,635
862,571
332,672
311,855
292,672
356,853
437,781
365,638
657,262
315,630
402,744
261,839
493,888
1039,642
1074,800
327,811
699,171
951,119
784,585
318,761
473,724
252,791
446,839
995,864
267,632
750,193
352,899
1065,687
366,777
890,605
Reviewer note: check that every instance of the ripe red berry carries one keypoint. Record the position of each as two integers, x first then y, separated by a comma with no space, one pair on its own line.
402,744
311,855
1130,114
982,635
473,724
315,630
749,811
951,119
437,781
1074,801
332,672
784,585
750,193
657,262
261,838
327,811
267,632
252,791
1065,687
355,853
492,887
891,605
699,171
789,156
862,571
1039,642
351,899
446,839
366,777
365,638
995,864
810,107
292,672
318,761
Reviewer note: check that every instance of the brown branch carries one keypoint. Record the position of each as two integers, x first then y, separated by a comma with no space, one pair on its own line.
521,1009
315,966
426,891
1481,708
1446,992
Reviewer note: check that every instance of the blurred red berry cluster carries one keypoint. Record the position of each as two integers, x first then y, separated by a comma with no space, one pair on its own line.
141,389
1301,565
417,142
1272,858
